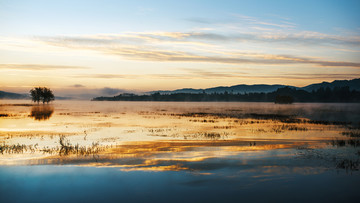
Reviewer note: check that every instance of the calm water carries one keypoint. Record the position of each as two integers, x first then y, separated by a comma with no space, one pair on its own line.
81,151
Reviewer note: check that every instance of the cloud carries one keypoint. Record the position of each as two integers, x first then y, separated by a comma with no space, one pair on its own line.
33,67
198,73
303,38
212,74
256,21
301,76
204,38
77,85
104,76
203,74
113,46
242,20
261,59
205,20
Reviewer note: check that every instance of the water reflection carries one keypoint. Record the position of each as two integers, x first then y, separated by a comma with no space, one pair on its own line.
179,150
191,137
193,156
42,112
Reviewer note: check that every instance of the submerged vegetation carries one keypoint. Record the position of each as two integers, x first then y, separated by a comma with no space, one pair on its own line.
16,148
65,148
289,119
150,136
342,142
351,134
349,165
282,128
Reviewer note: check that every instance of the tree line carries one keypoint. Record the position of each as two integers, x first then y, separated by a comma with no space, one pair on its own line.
281,95
41,94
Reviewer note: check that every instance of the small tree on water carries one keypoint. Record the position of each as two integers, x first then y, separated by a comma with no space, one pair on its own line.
42,94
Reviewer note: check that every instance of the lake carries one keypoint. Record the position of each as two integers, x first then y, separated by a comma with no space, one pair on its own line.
83,151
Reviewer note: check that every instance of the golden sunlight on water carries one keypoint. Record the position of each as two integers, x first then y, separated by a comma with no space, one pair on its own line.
161,136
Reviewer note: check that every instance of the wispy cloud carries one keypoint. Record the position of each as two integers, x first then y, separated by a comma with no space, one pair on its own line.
306,38
148,51
213,74
34,67
143,38
77,86
104,76
208,74
256,21
302,76
209,21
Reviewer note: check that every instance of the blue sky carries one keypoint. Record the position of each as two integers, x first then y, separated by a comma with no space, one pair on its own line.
97,44
86,16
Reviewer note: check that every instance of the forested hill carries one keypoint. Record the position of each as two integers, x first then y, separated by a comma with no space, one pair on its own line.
262,88
281,95
10,95
352,84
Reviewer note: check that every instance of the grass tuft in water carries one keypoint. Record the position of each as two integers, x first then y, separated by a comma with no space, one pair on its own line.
351,134
66,148
349,165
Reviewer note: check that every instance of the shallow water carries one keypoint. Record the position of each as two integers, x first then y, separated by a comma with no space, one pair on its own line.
156,151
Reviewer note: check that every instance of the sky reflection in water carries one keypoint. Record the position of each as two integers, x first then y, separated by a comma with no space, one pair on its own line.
211,151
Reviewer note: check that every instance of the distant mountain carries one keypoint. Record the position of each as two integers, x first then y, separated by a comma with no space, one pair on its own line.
10,95
353,85
230,89
259,88
63,98
285,95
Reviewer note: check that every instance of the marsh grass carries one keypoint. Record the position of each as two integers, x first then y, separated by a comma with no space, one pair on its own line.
65,148
17,148
223,127
159,130
18,104
351,134
284,118
252,144
338,143
354,142
352,165
204,120
208,135
343,143
212,135
282,128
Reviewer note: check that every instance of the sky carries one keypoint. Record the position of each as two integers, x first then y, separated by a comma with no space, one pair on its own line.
107,47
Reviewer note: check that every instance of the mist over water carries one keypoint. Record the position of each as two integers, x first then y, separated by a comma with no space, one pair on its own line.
178,150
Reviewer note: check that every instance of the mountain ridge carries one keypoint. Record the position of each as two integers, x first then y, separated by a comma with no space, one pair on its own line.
11,95
353,84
